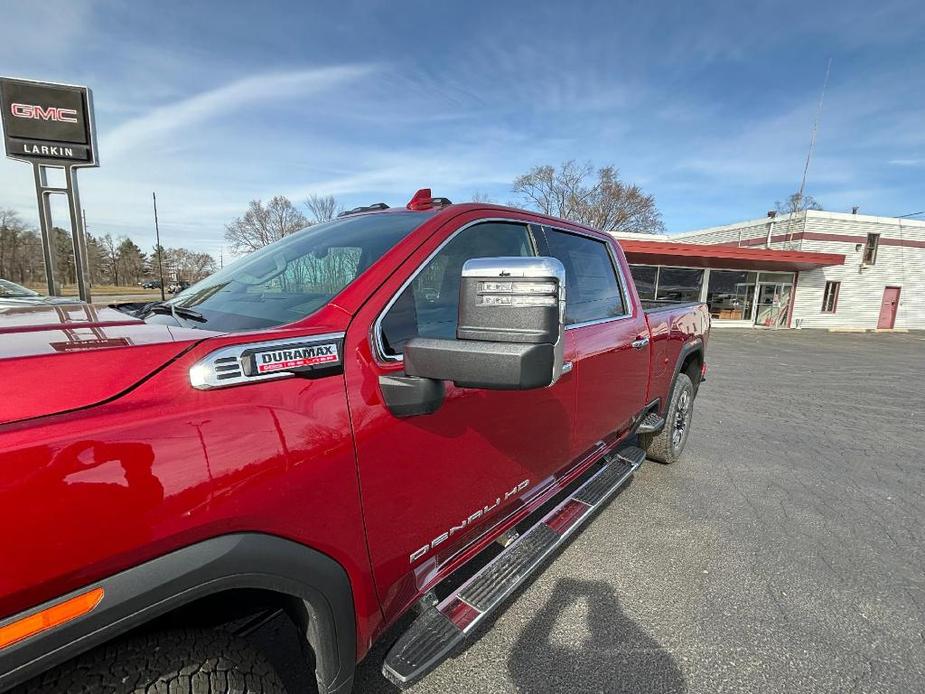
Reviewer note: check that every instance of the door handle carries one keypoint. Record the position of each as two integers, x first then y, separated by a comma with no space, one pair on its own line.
640,342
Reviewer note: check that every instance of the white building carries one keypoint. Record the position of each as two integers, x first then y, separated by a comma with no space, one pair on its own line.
810,269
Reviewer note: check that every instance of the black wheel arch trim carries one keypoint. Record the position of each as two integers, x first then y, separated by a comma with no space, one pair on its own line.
693,346
142,593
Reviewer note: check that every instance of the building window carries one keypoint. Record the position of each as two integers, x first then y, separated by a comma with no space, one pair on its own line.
677,285
870,249
830,297
731,293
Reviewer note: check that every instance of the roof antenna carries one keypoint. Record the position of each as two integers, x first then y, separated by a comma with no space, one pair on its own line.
812,141
809,157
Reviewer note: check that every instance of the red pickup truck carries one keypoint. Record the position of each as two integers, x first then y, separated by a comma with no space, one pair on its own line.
401,410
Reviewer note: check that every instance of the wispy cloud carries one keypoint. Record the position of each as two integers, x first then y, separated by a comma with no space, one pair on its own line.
39,33
368,107
907,162
215,103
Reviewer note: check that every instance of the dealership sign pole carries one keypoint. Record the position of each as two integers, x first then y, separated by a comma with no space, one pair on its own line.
51,127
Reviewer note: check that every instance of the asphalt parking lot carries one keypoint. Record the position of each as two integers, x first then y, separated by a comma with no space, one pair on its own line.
786,552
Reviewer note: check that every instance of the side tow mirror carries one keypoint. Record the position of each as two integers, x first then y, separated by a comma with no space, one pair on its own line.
510,328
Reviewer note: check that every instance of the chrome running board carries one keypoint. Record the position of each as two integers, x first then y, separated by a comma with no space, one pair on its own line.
441,629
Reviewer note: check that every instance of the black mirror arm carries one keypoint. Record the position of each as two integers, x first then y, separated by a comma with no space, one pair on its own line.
409,396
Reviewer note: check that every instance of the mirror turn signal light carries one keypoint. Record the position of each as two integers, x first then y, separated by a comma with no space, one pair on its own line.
520,294
50,617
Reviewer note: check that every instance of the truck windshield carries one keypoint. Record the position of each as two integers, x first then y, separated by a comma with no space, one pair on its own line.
293,277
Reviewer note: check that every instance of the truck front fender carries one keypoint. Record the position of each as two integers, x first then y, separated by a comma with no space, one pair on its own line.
142,593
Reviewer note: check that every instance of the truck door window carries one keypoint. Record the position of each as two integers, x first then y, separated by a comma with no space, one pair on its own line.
592,290
428,306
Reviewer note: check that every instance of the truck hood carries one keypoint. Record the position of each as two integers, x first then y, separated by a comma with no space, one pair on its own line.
55,358
38,300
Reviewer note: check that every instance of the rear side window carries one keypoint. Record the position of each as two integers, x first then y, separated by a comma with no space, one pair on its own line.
644,278
428,307
592,291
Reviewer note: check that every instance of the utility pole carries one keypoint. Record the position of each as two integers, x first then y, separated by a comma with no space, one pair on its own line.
160,249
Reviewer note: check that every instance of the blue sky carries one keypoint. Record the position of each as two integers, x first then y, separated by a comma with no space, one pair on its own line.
706,105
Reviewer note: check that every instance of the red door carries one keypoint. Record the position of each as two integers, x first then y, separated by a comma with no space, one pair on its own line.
888,307
433,484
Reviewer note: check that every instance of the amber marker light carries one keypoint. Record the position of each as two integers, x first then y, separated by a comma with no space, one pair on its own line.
50,617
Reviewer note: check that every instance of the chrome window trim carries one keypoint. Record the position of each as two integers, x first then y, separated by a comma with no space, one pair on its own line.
621,281
376,337
235,351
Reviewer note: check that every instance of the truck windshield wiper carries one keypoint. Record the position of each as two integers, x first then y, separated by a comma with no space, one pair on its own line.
177,312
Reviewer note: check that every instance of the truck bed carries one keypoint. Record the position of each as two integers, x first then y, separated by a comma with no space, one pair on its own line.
653,306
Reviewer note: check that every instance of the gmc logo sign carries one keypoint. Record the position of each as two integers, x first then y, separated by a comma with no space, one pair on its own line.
52,113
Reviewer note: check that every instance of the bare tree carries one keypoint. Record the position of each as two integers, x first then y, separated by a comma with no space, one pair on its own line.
113,260
65,263
599,199
479,196
110,248
184,264
14,236
322,208
201,265
263,224
797,202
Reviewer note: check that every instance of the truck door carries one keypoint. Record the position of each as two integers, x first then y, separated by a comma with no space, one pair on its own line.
610,336
432,484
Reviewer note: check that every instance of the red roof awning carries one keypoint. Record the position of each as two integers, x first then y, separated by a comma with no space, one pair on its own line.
726,257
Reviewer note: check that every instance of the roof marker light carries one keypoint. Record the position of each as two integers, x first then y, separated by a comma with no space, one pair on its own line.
422,200
50,617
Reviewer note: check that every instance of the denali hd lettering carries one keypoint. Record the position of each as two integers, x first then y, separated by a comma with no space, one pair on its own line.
417,554
336,431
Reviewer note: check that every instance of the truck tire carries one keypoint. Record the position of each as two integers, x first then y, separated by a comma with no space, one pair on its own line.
667,445
184,662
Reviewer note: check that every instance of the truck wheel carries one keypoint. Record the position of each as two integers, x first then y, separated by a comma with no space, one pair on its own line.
667,445
185,662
